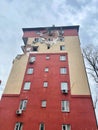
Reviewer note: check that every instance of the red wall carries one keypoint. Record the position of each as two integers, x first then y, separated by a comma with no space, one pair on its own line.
81,115
67,32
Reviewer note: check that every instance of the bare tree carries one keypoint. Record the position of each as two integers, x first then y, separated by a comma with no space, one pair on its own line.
90,53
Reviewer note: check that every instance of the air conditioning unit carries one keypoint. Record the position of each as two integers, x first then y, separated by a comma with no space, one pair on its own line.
64,91
19,112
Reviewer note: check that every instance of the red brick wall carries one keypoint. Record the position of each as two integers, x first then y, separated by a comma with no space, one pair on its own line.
81,115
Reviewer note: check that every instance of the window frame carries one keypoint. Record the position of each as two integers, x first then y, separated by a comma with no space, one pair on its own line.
45,84
18,126
30,70
63,70
42,126
23,104
27,85
32,59
65,106
64,86
46,69
62,47
43,103
67,127
62,57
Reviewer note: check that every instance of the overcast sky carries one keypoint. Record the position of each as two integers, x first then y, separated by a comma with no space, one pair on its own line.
18,14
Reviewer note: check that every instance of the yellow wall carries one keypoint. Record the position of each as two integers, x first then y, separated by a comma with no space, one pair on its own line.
78,79
16,76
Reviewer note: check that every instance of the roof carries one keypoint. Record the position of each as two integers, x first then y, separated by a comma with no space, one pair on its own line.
52,27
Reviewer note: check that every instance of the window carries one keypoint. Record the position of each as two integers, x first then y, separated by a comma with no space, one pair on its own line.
63,70
62,58
32,59
30,71
61,39
23,104
44,103
42,126
27,85
46,69
66,127
18,126
36,39
48,46
64,86
65,106
45,84
62,47
35,48
47,57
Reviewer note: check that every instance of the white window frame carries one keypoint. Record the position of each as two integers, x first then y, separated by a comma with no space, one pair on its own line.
42,126
18,126
65,106
45,84
46,69
63,70
27,85
66,127
30,71
62,58
23,104
64,86
44,103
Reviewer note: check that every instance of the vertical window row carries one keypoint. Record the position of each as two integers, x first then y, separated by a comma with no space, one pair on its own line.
64,88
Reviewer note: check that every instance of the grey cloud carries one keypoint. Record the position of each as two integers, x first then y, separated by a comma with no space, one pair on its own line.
16,14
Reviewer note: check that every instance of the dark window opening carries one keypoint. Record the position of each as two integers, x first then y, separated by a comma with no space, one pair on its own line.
36,39
48,47
42,126
35,48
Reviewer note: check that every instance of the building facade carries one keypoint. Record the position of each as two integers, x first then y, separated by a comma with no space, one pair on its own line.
47,87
